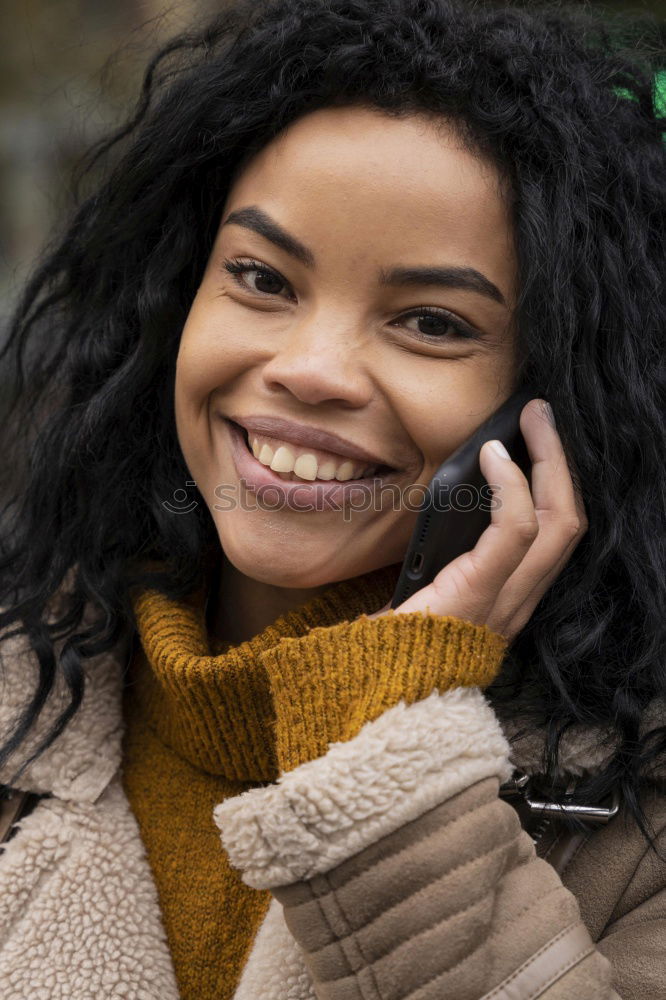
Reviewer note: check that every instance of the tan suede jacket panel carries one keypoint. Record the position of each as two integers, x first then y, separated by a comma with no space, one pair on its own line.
377,925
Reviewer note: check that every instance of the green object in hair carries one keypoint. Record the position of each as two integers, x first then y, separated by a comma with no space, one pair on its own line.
659,92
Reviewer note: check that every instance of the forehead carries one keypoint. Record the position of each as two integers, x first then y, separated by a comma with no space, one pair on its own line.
357,177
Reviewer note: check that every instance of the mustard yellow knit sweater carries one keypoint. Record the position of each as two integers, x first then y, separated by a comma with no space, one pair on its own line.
204,723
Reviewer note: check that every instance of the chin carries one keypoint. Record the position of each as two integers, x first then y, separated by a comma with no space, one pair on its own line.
300,570
270,564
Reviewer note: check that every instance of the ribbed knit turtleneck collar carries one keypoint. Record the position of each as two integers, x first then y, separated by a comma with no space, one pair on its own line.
213,707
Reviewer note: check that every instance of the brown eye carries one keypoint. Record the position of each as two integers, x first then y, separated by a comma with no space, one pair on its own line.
438,325
266,281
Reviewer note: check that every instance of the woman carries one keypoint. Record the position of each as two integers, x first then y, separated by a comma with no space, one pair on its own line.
334,238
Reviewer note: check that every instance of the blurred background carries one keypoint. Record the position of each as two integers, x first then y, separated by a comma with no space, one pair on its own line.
69,70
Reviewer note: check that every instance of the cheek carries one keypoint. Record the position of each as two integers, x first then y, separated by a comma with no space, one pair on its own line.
214,350
204,360
195,379
445,413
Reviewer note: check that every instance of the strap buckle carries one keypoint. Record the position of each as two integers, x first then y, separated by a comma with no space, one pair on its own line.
520,785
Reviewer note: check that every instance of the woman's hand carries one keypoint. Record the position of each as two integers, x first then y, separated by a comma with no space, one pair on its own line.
529,541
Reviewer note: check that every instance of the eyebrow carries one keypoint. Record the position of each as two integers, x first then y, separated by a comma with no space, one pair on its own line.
259,222
468,278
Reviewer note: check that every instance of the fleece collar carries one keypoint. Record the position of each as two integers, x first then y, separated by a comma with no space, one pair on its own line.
584,749
81,762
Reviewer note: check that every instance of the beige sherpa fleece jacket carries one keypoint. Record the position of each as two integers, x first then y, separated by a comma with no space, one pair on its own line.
398,871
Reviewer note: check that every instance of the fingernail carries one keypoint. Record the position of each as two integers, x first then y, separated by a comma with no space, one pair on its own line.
548,412
498,447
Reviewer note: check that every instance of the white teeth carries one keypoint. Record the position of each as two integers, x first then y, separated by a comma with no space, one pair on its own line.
305,467
266,455
327,470
283,460
345,472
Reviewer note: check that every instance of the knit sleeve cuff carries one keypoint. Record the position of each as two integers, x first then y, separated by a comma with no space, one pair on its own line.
328,683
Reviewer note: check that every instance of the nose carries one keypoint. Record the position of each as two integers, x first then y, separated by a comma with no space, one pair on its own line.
318,361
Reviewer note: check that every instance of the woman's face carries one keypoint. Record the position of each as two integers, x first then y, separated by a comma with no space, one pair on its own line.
332,329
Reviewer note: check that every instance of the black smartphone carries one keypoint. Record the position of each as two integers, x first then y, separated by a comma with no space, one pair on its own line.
457,504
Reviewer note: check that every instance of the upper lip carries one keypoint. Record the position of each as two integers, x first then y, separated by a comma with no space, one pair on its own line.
309,437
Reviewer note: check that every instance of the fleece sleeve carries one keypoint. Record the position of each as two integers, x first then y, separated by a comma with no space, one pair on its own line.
400,873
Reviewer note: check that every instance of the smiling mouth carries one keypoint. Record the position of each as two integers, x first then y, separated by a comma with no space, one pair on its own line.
380,471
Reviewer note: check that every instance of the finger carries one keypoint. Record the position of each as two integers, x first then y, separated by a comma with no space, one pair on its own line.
513,527
560,512
558,505
553,490
469,586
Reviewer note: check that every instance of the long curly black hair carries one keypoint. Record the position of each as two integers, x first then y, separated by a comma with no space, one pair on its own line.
562,101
